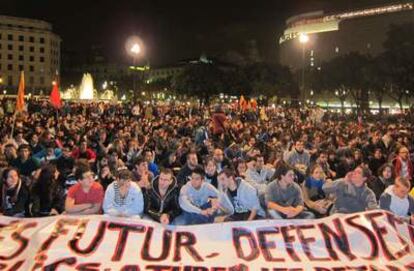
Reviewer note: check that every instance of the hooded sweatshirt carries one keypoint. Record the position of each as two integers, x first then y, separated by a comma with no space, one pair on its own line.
400,206
246,198
350,198
192,199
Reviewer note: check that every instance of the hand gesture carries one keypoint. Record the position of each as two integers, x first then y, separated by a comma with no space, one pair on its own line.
165,219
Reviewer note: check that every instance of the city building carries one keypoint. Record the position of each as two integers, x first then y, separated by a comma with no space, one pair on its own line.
326,36
31,46
313,38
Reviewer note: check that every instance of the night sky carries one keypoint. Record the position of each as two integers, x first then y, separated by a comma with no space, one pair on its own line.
172,30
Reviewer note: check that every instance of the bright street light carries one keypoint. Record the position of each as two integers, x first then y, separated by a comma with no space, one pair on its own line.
135,49
303,38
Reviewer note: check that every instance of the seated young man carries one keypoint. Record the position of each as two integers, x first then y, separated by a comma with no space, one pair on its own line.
397,200
242,195
284,197
200,201
161,199
351,193
123,197
85,197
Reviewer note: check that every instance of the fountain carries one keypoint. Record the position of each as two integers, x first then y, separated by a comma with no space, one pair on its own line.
86,90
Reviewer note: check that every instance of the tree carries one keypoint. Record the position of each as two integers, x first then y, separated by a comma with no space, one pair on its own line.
376,80
236,82
399,57
344,76
202,80
270,80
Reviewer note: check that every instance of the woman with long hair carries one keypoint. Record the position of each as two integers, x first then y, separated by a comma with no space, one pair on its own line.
49,195
313,195
386,177
15,196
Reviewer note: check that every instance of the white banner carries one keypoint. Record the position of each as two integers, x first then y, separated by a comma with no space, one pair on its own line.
375,240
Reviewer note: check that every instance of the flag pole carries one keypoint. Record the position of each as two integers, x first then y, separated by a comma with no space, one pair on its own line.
14,123
19,101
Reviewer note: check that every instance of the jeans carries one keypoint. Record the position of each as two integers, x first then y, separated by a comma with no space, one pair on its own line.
303,215
187,218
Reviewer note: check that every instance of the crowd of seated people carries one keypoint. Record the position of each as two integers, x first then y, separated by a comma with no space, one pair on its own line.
182,166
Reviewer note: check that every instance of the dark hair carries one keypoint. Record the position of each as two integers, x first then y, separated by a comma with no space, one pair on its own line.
167,171
207,160
6,173
199,170
191,152
280,171
46,182
139,160
124,174
9,145
80,170
383,167
250,158
366,172
24,147
112,151
228,172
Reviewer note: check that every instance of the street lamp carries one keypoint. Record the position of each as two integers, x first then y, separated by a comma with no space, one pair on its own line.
134,48
303,39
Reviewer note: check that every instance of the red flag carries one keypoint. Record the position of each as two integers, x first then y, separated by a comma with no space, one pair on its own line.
55,96
20,94
253,104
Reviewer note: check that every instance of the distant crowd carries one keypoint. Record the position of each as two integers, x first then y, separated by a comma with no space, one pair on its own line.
185,165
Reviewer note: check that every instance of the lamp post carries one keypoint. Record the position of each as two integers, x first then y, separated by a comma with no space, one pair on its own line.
303,39
135,51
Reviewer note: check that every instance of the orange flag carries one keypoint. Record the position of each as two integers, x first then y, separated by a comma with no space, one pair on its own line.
243,103
253,104
20,94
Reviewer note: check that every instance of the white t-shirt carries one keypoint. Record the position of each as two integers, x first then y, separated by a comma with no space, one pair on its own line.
399,206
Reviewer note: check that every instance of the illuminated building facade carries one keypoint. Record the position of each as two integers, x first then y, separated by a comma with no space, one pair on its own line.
330,35
29,45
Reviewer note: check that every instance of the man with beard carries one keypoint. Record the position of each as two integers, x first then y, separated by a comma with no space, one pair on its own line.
192,162
220,160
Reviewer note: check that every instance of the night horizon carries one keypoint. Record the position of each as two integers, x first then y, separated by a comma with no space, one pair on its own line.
171,31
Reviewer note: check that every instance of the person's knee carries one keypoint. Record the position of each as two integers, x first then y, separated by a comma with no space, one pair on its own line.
275,214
